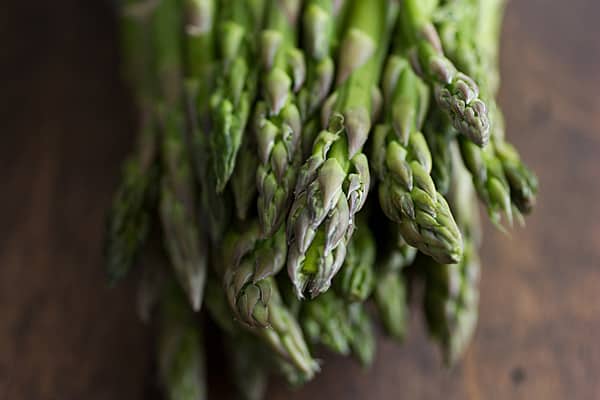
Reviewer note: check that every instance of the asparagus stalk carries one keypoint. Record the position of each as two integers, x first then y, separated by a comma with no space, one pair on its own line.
246,352
522,181
407,193
184,240
502,181
232,99
439,134
363,339
200,61
283,337
180,350
341,327
456,93
243,180
252,264
325,321
200,53
319,26
333,183
390,289
253,295
129,218
356,278
277,117
451,291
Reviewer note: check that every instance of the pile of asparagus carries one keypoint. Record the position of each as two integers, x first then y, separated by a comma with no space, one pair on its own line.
264,126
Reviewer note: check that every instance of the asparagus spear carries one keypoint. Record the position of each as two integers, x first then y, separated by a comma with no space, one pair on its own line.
180,349
243,180
439,134
363,340
407,193
451,291
390,289
184,240
129,219
253,295
341,327
285,337
236,87
333,183
319,23
522,181
502,181
283,344
277,117
356,278
200,61
246,351
456,93
249,273
325,321
200,53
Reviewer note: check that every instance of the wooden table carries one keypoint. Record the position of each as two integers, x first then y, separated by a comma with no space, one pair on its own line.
66,125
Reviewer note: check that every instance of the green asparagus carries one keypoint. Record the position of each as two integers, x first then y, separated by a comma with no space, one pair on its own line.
180,349
129,218
278,122
318,22
502,181
232,99
253,295
363,341
456,93
325,321
183,238
356,278
451,291
407,193
390,290
200,61
254,152
333,183
250,268
439,134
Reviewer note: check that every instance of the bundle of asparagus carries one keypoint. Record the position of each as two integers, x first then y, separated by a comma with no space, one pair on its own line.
263,127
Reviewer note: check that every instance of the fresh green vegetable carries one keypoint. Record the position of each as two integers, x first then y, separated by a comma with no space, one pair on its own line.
261,123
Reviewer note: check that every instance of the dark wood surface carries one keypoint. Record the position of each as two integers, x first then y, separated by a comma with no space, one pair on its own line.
66,125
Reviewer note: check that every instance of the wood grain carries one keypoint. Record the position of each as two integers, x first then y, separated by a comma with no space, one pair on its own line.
66,126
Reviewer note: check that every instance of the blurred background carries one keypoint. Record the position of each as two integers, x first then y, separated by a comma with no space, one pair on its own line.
67,123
